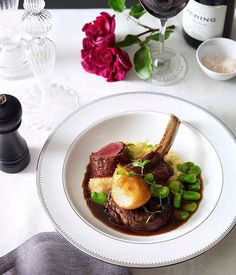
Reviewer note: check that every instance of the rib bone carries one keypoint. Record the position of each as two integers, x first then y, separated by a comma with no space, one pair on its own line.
169,136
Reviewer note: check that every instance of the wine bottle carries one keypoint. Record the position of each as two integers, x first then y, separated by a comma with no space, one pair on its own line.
205,19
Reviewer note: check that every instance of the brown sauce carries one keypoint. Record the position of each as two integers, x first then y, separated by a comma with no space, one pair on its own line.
98,212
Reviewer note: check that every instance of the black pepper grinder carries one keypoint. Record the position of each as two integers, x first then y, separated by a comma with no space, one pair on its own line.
14,152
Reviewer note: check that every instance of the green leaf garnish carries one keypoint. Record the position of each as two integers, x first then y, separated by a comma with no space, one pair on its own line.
129,40
130,173
117,5
143,62
131,144
141,164
137,11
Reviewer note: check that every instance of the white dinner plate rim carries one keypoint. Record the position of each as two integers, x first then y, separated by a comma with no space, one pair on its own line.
113,261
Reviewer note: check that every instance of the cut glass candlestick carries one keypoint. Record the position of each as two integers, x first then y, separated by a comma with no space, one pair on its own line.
13,63
46,104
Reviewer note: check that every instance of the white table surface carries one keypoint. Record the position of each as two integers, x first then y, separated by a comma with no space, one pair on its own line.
21,214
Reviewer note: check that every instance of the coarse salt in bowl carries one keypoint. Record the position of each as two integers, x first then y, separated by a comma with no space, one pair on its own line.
217,58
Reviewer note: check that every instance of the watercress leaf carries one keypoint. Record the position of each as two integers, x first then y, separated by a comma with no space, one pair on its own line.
117,5
119,172
128,41
145,162
143,62
137,11
130,173
137,163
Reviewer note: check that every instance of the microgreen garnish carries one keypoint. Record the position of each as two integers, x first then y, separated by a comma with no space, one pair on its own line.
119,173
130,173
141,164
150,212
131,144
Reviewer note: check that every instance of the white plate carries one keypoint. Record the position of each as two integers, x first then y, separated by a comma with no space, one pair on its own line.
202,138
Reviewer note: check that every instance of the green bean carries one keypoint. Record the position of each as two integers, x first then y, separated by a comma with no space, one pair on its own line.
191,195
195,186
184,167
191,178
159,191
190,207
196,170
177,200
99,198
181,214
175,186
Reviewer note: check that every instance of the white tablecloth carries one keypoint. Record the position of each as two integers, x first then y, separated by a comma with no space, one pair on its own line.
21,214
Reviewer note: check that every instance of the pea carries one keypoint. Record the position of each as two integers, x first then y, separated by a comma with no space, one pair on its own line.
195,186
181,214
196,170
159,191
99,198
177,200
190,207
175,186
184,167
191,178
149,178
191,195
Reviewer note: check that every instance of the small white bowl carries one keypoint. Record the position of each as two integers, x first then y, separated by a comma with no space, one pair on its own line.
217,47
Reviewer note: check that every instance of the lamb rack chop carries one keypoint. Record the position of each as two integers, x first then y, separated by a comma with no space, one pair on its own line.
136,219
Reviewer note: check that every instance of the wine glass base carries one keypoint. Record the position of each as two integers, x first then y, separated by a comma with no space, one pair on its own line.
171,71
13,63
45,113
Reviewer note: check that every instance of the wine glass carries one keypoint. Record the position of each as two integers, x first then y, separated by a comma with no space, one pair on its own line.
168,66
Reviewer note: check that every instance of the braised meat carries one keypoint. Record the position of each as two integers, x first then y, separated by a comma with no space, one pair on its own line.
138,219
103,163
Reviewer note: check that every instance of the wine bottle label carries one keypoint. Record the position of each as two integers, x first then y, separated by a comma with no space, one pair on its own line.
203,22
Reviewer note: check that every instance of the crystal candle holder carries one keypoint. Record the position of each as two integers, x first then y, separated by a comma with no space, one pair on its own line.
13,63
46,104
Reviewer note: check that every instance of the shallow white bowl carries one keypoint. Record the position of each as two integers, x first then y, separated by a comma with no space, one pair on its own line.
133,127
217,47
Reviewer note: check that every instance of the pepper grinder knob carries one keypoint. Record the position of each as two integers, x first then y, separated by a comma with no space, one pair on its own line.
14,152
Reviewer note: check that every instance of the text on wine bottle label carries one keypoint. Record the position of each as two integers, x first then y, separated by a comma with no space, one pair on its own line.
203,22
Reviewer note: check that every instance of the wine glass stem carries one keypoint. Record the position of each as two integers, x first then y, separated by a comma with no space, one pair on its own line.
161,58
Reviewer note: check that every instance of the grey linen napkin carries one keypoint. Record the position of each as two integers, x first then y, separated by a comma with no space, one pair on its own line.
49,254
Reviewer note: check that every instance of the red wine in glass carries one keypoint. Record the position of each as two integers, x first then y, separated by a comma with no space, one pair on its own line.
168,66
164,8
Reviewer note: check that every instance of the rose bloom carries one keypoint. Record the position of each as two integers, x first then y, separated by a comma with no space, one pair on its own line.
100,32
111,63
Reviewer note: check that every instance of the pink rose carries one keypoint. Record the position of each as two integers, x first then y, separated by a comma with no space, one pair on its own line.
100,32
99,55
111,63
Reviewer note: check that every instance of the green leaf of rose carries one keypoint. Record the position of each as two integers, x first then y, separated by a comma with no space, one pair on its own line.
143,62
137,11
156,36
117,5
128,41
